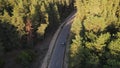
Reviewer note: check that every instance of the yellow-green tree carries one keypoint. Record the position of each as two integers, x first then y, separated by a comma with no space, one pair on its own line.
97,25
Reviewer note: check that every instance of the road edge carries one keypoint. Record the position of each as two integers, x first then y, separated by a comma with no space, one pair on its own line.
52,43
51,46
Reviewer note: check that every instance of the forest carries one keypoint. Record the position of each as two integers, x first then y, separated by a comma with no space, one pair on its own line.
94,38
24,23
95,34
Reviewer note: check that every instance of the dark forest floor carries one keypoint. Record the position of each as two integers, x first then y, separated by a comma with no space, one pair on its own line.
40,49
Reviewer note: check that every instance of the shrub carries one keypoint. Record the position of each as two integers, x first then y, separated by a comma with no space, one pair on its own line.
25,58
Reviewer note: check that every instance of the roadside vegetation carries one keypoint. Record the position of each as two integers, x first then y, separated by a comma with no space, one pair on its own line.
24,23
95,34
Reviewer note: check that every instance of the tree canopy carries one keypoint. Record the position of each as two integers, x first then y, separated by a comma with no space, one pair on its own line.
95,34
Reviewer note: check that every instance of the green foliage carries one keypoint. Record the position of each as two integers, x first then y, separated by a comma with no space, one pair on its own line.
25,58
44,15
99,42
9,36
75,46
95,34
114,45
41,30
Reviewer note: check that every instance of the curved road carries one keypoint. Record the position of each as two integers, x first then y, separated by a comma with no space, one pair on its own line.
57,58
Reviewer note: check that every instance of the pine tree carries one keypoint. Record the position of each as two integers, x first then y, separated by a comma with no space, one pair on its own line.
43,14
44,21
98,26
17,18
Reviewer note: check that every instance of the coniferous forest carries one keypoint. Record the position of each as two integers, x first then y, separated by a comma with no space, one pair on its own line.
23,23
95,34
94,38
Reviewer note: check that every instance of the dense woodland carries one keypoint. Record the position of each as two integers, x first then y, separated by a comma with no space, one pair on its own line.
23,23
95,34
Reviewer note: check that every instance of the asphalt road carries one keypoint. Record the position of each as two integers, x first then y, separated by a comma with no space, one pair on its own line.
58,54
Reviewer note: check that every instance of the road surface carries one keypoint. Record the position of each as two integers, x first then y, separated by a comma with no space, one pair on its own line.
57,57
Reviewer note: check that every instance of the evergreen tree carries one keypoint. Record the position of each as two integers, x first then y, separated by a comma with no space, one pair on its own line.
97,26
